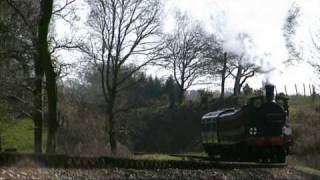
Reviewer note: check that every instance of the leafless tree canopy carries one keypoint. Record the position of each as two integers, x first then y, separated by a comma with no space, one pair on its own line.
241,70
296,52
289,31
183,53
121,31
315,63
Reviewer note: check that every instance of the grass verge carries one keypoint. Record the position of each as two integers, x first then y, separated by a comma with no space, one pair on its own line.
20,135
305,122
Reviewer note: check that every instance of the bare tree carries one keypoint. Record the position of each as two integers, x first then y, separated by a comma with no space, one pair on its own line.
38,26
27,17
315,38
224,74
244,71
289,31
182,54
46,10
218,62
122,32
296,52
242,67
37,21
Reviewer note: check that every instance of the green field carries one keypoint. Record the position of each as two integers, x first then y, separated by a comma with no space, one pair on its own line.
19,135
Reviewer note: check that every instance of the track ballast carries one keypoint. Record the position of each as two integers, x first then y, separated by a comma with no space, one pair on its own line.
64,161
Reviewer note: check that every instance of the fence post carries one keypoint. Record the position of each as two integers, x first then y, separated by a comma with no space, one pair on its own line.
310,89
285,90
304,89
313,93
295,86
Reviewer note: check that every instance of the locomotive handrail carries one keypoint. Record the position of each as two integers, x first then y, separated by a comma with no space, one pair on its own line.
227,111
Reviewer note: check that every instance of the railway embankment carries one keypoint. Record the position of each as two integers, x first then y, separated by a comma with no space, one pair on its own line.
305,122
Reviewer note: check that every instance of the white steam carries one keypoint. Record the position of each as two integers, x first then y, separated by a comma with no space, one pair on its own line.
261,20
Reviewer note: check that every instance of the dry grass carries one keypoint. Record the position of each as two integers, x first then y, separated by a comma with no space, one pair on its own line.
305,121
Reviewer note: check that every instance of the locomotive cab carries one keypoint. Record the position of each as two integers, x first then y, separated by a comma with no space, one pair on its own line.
221,129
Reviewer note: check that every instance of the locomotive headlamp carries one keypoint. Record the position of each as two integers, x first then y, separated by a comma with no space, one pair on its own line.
253,131
286,131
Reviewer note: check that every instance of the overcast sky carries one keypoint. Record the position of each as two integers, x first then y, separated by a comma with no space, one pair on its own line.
262,20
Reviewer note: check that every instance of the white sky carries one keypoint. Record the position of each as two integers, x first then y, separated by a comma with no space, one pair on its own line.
261,19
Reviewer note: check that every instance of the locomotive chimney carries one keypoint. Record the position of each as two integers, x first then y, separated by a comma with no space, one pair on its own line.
269,92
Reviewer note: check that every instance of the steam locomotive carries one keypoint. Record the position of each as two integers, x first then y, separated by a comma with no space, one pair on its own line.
258,131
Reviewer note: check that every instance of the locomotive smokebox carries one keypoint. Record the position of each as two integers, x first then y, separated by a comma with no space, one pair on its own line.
269,92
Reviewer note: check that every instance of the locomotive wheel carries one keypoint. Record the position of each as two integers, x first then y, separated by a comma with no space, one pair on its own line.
281,157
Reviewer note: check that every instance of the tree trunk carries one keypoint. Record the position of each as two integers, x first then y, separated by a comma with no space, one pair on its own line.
110,126
46,7
172,99
112,136
236,88
37,111
52,112
223,76
295,86
310,90
181,95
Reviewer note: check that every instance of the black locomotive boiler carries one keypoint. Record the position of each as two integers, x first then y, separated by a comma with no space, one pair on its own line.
258,131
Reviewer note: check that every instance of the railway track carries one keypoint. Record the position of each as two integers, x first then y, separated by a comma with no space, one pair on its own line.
222,164
63,161
230,164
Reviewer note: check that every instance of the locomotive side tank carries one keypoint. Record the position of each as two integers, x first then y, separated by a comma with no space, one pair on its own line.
257,131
